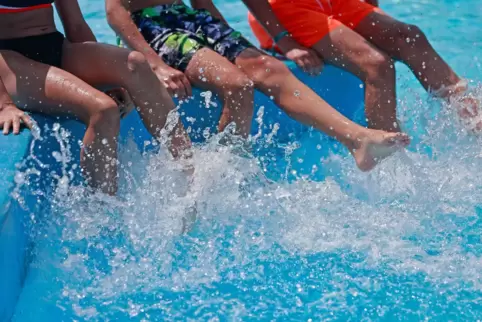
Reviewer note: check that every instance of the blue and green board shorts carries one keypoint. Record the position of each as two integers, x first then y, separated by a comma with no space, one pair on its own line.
177,32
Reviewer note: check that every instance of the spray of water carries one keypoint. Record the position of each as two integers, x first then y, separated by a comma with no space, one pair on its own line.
326,242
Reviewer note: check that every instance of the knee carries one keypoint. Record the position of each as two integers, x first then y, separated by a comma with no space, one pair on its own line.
268,69
407,36
238,85
378,67
136,61
105,119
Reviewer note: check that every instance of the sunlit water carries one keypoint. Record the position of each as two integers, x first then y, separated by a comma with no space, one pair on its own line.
284,243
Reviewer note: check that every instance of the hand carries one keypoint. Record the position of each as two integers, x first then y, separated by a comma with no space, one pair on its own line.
307,59
12,117
175,81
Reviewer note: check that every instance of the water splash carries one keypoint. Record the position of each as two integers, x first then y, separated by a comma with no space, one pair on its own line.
400,242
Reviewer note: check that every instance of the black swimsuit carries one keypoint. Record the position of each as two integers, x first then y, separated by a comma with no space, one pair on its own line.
47,48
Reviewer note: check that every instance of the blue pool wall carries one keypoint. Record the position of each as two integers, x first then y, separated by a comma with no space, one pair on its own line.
23,205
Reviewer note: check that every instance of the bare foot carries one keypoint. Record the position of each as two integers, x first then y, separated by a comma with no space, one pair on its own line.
239,146
468,109
123,100
376,146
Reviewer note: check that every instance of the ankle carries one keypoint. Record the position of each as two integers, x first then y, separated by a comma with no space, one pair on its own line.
449,91
355,140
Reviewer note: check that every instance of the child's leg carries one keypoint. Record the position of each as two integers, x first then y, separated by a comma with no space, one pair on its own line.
409,44
29,82
346,49
311,26
210,71
273,78
113,66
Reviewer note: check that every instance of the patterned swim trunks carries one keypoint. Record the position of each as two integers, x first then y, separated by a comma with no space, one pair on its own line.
177,32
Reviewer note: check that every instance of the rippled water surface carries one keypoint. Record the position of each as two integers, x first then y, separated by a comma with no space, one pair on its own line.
400,243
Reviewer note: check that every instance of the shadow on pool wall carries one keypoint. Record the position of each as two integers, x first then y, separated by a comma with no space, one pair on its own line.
31,166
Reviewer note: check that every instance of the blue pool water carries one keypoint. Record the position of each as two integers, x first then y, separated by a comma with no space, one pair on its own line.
296,234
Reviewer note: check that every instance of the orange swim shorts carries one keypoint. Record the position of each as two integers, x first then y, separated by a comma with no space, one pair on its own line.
308,21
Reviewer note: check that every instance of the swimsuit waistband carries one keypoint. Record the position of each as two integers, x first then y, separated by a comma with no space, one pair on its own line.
5,9
157,10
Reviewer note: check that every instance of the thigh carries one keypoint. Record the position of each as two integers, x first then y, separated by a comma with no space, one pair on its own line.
353,12
348,50
37,87
232,46
220,37
177,49
210,71
384,31
100,65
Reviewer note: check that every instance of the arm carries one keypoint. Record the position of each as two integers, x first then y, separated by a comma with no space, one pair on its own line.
209,6
119,19
76,29
261,10
305,58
